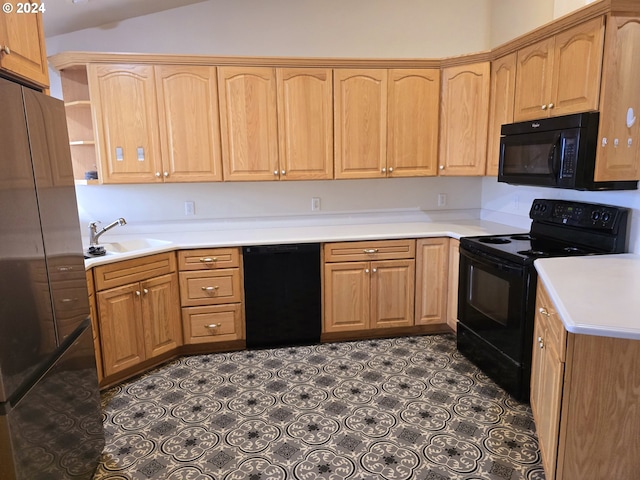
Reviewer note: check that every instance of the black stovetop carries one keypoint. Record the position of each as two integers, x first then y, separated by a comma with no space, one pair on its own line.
559,228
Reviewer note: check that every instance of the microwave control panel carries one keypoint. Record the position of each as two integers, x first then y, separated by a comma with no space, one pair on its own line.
578,214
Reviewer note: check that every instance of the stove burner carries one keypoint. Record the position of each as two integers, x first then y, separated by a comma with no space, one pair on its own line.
532,252
574,250
524,236
494,240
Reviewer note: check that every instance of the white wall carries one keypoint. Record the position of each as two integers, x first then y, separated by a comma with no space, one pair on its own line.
512,18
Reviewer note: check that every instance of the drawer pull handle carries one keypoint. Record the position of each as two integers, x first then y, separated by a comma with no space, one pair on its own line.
544,312
209,259
209,289
213,325
370,250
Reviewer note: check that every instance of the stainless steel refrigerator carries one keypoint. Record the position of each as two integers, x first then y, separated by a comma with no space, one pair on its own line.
50,417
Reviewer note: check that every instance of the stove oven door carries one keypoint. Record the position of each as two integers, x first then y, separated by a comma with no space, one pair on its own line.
495,313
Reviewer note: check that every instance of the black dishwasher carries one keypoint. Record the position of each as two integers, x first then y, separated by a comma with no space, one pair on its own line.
282,294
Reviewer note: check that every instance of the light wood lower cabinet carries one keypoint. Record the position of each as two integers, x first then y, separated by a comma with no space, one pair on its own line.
432,272
211,295
584,397
372,290
139,313
94,324
452,281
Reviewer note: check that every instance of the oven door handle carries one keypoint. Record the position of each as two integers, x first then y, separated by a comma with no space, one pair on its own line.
493,262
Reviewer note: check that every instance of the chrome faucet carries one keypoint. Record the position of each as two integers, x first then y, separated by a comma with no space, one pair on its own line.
94,234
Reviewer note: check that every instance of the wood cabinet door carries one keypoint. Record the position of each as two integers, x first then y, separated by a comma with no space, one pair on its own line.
503,85
577,68
463,119
618,96
346,296
360,128
534,71
413,108
126,117
121,329
392,293
452,288
161,315
189,123
23,46
305,123
248,123
432,264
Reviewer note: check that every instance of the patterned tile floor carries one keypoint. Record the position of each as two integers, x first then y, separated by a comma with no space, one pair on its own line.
401,408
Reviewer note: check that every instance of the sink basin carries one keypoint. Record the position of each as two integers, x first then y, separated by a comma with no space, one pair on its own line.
128,246
133,245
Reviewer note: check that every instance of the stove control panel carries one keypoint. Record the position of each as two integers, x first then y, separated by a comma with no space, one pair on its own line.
577,214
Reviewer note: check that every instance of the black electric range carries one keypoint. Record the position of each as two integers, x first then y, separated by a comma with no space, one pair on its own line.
497,289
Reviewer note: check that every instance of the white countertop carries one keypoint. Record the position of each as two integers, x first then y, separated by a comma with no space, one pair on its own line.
595,295
202,235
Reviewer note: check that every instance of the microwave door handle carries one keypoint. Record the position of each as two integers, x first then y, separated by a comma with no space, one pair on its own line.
553,164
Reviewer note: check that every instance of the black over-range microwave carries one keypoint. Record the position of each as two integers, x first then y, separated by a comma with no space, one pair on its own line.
554,152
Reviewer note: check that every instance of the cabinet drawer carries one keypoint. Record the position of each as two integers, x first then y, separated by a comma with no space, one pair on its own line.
210,288
208,258
376,250
131,271
555,335
213,323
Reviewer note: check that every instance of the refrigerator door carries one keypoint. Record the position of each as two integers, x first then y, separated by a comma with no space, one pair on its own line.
55,430
27,330
49,140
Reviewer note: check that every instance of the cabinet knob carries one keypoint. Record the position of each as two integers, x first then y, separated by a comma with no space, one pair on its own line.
138,293
551,105
145,291
275,172
283,172
5,49
384,170
541,344
441,167
366,270
375,270
158,174
166,174
544,107
390,169
544,311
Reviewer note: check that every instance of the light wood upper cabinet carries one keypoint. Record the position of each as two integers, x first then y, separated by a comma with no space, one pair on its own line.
305,123
620,93
124,101
560,75
248,123
22,47
503,83
189,125
432,273
412,128
360,116
463,119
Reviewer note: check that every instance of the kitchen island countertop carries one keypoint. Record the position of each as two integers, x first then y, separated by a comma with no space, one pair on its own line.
595,295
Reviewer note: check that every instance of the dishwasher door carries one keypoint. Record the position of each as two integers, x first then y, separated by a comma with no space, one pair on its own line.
282,288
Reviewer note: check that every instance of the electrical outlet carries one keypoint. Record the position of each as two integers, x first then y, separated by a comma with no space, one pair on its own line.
442,199
189,208
315,204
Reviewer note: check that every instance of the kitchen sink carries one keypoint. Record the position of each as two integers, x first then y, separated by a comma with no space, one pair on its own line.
133,245
128,246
